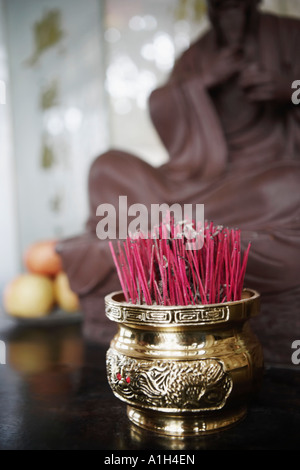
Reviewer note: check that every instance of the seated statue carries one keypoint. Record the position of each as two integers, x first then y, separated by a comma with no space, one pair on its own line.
227,120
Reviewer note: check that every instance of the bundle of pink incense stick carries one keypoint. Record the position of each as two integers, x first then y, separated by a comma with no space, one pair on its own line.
164,270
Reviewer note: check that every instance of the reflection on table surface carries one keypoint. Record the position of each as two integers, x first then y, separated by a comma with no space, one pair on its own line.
54,395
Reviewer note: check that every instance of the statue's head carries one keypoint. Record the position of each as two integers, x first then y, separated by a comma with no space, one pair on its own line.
231,19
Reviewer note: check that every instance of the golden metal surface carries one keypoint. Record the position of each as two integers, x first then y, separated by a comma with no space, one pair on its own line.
184,425
157,315
184,370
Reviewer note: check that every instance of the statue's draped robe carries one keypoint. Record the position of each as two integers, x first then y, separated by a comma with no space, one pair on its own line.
240,159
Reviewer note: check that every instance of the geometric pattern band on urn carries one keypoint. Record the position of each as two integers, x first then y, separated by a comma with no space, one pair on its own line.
186,316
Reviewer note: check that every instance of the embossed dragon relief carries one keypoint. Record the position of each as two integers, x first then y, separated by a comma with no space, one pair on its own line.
184,385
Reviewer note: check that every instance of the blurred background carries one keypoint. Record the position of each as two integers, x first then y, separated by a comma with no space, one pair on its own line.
75,77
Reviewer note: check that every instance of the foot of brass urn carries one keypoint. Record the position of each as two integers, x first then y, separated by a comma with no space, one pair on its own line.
184,370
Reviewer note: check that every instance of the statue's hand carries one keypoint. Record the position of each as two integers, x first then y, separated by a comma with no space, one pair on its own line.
261,86
223,67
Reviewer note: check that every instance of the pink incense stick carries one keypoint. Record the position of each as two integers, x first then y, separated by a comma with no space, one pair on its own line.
164,271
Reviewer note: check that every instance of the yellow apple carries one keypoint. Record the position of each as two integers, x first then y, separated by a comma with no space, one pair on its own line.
65,297
29,296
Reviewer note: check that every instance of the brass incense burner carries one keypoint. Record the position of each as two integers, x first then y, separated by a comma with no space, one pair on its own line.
184,370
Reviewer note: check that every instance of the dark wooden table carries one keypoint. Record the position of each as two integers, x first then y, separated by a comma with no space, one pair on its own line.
54,395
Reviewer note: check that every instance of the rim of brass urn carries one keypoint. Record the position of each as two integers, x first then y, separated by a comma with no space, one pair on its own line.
120,311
